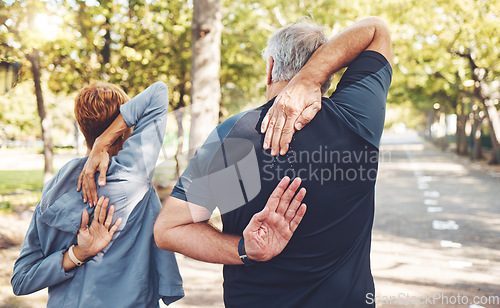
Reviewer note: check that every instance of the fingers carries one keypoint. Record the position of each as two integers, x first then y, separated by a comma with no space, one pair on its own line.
115,226
265,121
307,115
97,212
287,196
298,217
277,131
294,205
80,179
269,128
103,168
274,199
85,220
103,203
89,189
280,129
286,136
96,162
103,215
109,218
92,193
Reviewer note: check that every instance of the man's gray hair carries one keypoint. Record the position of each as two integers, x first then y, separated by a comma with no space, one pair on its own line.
291,47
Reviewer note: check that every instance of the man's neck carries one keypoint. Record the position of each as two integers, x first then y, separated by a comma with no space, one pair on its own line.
275,88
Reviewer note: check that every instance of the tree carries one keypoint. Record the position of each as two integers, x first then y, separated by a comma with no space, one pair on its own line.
452,47
24,40
205,90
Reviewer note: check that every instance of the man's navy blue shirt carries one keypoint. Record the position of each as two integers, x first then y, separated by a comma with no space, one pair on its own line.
327,261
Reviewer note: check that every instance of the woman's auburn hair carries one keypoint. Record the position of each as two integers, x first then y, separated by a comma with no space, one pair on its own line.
96,106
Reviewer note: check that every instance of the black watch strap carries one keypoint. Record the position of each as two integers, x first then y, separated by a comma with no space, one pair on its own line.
243,255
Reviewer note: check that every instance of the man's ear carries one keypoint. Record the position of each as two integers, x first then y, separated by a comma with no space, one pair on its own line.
270,63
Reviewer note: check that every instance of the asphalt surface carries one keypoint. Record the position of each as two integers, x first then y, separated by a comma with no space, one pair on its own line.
437,228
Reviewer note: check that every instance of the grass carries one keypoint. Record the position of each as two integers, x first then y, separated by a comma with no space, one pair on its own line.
12,180
20,189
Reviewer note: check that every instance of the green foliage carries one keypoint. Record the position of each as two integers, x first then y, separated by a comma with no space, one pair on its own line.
134,43
11,180
18,119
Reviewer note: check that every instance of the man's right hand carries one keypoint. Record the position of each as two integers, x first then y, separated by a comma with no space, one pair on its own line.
98,161
270,230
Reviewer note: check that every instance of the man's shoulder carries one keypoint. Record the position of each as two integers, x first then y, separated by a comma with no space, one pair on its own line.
244,124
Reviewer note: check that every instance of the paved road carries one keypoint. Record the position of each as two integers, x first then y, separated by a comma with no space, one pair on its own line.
437,228
436,234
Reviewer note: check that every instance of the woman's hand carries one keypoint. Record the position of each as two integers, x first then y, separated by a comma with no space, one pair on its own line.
94,238
98,161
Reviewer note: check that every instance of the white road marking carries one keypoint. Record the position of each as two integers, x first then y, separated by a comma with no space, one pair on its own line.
459,264
450,244
444,225
431,194
430,202
434,209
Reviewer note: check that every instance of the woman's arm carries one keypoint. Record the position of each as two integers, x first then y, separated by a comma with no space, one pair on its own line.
34,271
147,113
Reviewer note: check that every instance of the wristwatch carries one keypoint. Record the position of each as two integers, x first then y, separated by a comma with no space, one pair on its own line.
243,255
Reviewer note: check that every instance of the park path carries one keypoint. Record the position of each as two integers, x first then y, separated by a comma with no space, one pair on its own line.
436,234
437,227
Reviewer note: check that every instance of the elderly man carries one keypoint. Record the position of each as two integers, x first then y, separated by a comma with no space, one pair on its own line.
327,261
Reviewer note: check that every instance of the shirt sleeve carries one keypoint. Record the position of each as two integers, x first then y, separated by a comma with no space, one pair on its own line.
361,95
194,186
147,112
211,179
33,270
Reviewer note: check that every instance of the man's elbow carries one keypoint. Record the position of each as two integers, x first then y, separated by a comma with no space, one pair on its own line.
163,237
382,37
376,20
378,24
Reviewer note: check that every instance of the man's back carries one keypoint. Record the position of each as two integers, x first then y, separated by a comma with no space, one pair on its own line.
326,264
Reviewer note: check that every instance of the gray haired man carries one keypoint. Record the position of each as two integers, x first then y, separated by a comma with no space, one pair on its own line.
326,262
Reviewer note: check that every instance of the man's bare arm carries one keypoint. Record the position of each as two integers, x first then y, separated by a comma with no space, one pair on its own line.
300,100
266,235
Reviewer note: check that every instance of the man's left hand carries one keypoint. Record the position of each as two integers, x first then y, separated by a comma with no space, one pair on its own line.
270,230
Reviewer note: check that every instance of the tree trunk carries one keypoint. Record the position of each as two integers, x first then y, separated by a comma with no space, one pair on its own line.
205,95
462,142
179,116
45,120
106,49
476,136
494,125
